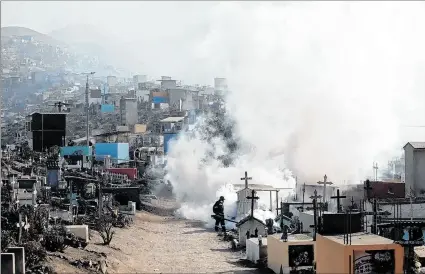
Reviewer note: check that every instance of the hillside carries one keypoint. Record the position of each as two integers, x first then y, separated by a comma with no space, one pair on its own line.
51,53
14,31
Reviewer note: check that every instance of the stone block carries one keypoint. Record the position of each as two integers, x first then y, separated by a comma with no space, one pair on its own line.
8,263
19,259
132,207
80,231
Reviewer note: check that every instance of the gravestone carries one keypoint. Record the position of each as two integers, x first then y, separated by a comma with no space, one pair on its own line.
19,259
80,231
8,263
132,207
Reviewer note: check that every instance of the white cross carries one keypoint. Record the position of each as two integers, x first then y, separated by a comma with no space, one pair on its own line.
324,183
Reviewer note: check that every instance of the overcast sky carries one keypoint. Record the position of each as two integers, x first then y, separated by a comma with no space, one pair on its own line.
119,17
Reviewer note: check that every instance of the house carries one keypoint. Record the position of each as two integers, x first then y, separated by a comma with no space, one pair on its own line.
414,157
283,255
365,251
250,224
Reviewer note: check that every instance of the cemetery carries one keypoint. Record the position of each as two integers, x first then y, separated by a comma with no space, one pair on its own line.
64,208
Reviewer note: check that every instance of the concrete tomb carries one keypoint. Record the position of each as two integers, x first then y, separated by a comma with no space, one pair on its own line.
250,226
80,231
19,253
256,249
129,209
8,263
298,250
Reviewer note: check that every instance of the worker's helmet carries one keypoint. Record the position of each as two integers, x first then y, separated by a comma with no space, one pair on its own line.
221,198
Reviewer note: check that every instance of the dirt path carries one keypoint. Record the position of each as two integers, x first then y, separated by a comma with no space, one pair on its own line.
157,244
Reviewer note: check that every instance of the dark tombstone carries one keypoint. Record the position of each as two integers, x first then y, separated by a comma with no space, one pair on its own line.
256,233
269,224
284,234
8,263
19,259
248,235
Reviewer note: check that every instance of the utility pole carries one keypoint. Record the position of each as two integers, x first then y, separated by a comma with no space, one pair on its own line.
87,108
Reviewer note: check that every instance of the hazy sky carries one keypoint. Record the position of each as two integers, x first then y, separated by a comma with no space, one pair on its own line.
119,17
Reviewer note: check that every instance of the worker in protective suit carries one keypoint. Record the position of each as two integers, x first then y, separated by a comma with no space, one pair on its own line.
218,210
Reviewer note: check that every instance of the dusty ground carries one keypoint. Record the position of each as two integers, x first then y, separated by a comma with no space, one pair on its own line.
156,244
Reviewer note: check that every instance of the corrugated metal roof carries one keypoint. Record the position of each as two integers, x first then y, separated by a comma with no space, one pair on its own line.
416,145
172,119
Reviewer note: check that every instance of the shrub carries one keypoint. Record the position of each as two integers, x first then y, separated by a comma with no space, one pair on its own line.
104,226
7,239
54,239
35,254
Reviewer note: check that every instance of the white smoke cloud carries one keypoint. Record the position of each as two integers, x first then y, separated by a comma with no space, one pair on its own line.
317,87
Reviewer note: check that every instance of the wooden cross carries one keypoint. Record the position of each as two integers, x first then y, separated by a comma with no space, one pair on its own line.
252,198
303,196
324,183
338,202
246,178
367,187
315,197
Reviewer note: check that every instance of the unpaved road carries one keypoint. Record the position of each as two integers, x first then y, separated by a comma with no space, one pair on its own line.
156,244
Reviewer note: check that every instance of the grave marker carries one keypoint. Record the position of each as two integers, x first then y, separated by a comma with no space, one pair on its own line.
338,202
246,178
19,253
8,263
324,183
252,198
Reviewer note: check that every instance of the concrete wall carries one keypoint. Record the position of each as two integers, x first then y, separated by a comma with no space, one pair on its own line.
330,256
409,163
419,163
277,251
244,204
175,95
307,219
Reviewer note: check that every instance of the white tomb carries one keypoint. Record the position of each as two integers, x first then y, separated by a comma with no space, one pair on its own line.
250,224
255,251
244,204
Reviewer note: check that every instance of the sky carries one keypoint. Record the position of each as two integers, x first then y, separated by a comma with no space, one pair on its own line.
307,78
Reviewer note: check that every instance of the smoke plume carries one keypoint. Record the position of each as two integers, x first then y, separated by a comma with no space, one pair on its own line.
316,88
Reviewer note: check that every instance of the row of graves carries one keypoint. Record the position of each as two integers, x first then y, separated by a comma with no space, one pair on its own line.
58,209
313,239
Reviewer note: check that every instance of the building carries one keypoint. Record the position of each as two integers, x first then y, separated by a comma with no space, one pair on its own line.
385,190
172,124
129,112
414,157
46,130
111,81
119,152
364,253
176,97
168,83
137,79
282,255
95,96
220,86
159,99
